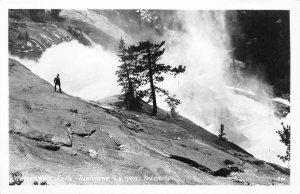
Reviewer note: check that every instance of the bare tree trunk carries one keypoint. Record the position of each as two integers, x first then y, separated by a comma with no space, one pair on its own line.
154,108
130,87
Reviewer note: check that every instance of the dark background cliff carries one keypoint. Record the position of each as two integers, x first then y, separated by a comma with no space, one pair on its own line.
261,39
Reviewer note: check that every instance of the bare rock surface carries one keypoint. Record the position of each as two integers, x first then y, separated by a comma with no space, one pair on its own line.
30,39
63,139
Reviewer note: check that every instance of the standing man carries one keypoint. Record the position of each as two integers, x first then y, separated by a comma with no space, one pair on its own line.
57,82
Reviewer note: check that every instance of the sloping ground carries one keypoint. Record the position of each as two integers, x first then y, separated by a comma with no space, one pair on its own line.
63,139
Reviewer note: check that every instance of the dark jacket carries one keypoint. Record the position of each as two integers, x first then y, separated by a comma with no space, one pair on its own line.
57,81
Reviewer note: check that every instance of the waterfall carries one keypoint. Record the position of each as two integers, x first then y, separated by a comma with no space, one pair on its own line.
205,89
203,46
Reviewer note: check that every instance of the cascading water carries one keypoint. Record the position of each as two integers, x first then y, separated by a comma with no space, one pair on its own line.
203,46
204,89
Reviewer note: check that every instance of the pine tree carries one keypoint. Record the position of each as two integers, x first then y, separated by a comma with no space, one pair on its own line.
150,71
126,77
222,132
285,135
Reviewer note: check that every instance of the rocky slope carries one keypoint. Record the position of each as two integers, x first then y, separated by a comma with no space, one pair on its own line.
30,39
62,139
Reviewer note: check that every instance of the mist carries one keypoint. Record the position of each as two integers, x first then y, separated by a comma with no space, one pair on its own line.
204,89
87,72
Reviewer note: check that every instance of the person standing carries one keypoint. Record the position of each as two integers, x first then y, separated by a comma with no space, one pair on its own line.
57,82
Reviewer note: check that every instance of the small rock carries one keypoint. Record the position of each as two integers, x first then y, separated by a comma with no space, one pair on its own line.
88,152
35,135
68,124
154,117
74,111
238,180
15,125
133,125
61,141
121,147
93,153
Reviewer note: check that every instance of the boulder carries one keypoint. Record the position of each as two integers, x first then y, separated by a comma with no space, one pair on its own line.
61,141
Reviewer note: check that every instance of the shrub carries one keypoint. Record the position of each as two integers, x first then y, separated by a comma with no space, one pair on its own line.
228,162
55,12
285,138
41,183
17,178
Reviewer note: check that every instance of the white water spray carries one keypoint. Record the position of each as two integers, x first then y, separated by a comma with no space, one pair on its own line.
203,88
87,72
203,47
